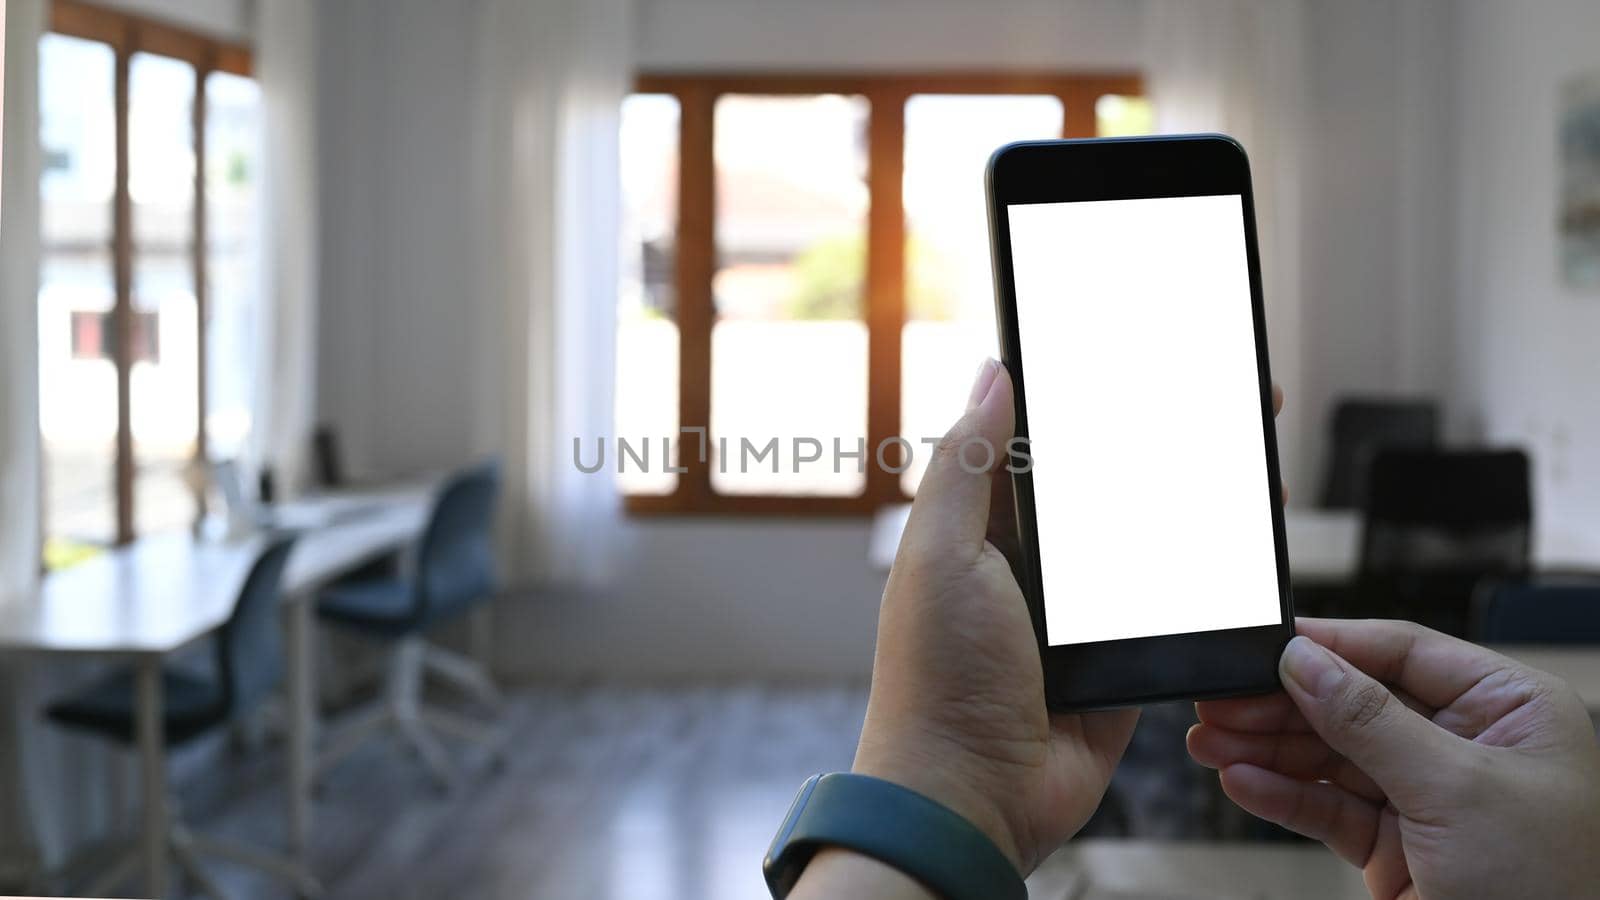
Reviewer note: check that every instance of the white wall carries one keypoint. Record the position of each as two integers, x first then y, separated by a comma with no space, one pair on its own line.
887,34
798,598
699,597
395,368
1378,166
1528,348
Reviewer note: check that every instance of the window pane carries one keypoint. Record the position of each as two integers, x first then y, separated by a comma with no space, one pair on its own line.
949,326
1116,115
77,375
165,386
647,329
233,172
789,347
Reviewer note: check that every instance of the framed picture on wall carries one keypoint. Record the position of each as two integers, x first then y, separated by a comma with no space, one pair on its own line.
1580,182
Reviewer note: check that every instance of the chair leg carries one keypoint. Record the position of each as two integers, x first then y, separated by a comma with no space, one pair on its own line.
353,734
463,672
427,748
183,851
491,737
405,689
276,865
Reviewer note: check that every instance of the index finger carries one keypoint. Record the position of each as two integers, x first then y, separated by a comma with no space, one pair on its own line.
1434,668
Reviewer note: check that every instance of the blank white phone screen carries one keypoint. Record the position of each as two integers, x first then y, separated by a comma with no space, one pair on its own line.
1144,417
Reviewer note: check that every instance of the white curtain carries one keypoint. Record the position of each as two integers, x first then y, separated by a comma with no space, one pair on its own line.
19,399
19,287
549,80
54,790
1239,67
285,402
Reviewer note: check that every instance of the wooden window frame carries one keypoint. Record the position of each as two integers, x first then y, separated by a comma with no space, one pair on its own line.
128,34
884,292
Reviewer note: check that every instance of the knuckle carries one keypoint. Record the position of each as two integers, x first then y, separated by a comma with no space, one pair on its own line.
1363,704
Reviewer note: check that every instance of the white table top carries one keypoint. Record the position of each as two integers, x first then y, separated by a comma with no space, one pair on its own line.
164,591
1323,545
1107,868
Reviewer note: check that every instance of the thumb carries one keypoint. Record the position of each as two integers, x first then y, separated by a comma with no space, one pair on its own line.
1401,751
951,513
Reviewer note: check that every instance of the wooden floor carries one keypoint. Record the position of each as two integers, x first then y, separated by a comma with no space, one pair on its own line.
605,793
614,792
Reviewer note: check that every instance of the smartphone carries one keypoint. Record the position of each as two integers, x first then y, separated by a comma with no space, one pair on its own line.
1128,299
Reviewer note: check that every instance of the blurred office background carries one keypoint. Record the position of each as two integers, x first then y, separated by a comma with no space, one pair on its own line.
366,269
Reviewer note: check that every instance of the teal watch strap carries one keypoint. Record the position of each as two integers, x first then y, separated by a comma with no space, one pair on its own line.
896,826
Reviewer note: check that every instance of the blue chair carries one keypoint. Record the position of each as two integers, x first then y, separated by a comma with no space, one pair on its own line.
453,572
1540,612
248,668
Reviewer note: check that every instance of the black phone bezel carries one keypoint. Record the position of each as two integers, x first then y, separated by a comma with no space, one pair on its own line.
1134,671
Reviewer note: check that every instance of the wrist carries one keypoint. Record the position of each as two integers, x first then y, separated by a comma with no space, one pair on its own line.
961,791
839,873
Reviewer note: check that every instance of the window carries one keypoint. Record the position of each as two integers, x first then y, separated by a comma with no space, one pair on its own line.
148,135
807,276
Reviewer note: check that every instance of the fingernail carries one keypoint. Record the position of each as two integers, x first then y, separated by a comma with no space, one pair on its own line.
980,388
1311,667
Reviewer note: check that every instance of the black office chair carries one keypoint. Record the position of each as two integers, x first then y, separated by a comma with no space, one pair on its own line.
249,667
453,574
1435,524
1360,428
1545,610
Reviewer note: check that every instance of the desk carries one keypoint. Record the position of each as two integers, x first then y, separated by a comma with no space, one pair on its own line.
162,593
1324,545
1095,868
1323,548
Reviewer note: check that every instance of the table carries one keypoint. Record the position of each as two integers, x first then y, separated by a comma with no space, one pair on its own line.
1324,545
1096,868
160,594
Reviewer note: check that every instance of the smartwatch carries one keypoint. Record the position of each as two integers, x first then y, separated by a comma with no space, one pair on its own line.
896,826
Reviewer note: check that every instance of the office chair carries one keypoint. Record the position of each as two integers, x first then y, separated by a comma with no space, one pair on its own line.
1545,610
1435,524
249,667
1362,427
453,573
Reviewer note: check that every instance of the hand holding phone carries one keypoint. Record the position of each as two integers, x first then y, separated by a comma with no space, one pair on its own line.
957,710
1153,553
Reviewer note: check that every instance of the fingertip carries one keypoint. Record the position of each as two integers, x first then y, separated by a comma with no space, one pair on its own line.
1197,742
996,403
987,371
